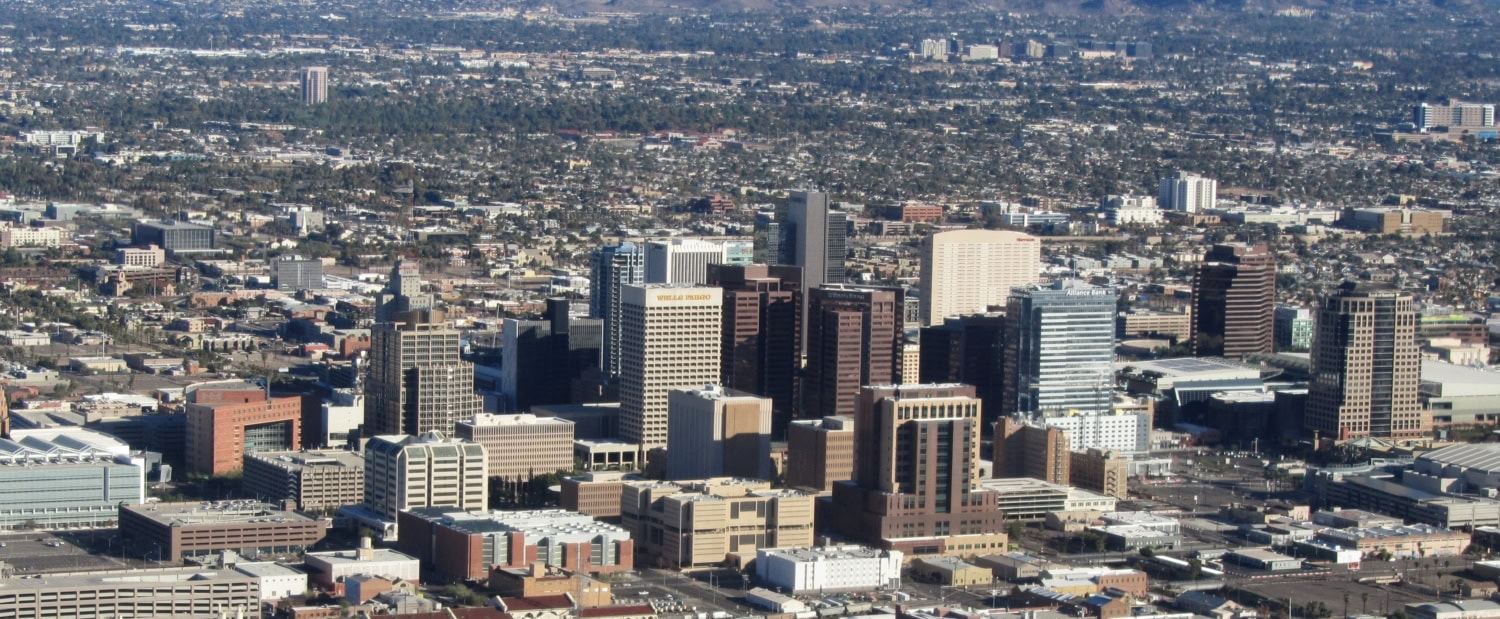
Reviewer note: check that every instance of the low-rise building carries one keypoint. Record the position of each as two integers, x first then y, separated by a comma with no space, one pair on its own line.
774,602
1457,609
319,481
469,545
537,580
173,531
706,522
1260,559
66,478
829,568
277,581
1135,537
596,493
607,454
950,571
1406,541
1098,579
333,567
176,593
1014,566
1030,499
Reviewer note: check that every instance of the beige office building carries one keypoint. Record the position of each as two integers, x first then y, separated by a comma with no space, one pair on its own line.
701,523
1100,470
418,383
718,432
318,480
820,453
669,339
407,472
969,271
521,446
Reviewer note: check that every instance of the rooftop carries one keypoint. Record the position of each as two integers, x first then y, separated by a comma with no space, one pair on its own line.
268,568
59,445
1388,532
1482,456
380,555
826,552
213,513
321,458
549,523
489,420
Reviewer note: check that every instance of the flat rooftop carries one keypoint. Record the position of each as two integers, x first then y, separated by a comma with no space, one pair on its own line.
381,555
827,552
101,580
489,420
216,513
299,460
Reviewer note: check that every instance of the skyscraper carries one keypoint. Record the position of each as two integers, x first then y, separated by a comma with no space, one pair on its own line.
774,242
762,341
968,350
916,473
403,292
669,339
1366,366
614,267
1188,193
718,432
681,261
550,361
418,383
1234,299
968,271
314,85
1061,349
854,338
820,238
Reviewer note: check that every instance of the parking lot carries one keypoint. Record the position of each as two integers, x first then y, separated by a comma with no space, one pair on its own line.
37,552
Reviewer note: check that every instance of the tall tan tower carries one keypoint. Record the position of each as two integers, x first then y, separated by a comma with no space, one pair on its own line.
968,271
718,432
669,339
1234,301
1366,366
418,383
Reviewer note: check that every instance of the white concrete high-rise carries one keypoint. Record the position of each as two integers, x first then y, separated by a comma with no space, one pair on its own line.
430,470
669,339
314,85
968,271
1188,193
681,261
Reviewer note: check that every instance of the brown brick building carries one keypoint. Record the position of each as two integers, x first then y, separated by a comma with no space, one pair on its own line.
470,545
171,531
762,342
855,337
222,425
1026,450
1098,470
596,493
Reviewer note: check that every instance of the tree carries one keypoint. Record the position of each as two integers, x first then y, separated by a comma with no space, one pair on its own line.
1015,530
1148,552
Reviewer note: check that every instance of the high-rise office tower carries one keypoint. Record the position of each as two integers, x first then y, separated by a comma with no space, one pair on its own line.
314,85
295,273
1060,352
418,383
971,271
1234,300
774,242
550,361
1027,449
916,473
820,238
614,267
854,338
681,261
968,350
1188,193
669,339
1366,366
762,343
403,292
718,432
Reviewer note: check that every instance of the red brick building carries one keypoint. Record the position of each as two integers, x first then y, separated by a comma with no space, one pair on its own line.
469,545
224,424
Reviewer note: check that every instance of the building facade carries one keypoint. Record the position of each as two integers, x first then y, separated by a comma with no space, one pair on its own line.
295,273
1234,296
820,238
1294,328
470,544
220,433
669,339
972,271
1026,449
700,523
762,334
718,432
855,337
314,85
1060,350
681,261
173,531
318,481
521,446
66,478
1187,193
1366,366
555,360
829,568
173,236
614,267
176,593
916,479
1099,470
820,453
968,350
408,472
418,381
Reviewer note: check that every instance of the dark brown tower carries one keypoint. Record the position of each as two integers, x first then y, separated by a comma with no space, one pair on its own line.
762,343
1234,298
854,339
